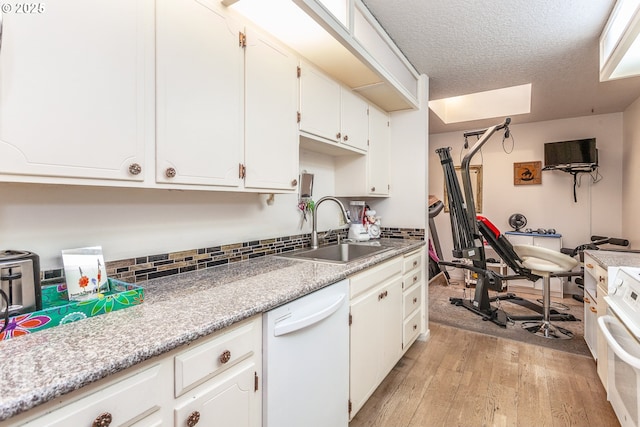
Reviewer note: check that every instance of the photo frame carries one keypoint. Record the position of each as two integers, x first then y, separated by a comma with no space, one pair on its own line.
527,173
475,173
85,273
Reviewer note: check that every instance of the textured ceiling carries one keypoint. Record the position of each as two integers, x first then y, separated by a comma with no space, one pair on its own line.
467,46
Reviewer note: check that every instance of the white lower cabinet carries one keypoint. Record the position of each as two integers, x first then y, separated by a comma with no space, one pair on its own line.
213,381
596,287
122,403
387,315
590,323
232,400
413,297
376,329
217,382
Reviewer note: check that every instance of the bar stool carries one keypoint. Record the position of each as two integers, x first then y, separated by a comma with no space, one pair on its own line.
542,262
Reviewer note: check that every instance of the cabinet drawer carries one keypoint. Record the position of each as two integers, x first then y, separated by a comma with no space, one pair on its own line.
412,262
590,266
125,401
412,300
411,279
216,355
411,329
601,276
228,400
375,276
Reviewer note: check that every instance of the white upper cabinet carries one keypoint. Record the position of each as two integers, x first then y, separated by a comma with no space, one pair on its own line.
354,120
367,176
379,152
331,112
271,130
200,86
73,84
319,104
227,101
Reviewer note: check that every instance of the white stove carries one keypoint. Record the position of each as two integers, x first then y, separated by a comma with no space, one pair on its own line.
624,298
621,328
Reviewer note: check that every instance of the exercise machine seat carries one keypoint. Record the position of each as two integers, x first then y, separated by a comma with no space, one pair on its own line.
543,262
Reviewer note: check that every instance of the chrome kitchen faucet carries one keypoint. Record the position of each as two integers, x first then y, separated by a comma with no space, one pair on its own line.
314,231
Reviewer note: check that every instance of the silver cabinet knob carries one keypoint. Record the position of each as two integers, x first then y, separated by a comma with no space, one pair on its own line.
170,172
294,182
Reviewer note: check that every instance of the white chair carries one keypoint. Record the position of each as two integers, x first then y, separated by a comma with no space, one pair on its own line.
542,262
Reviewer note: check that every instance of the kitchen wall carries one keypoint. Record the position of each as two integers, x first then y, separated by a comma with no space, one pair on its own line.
136,222
598,209
407,206
631,174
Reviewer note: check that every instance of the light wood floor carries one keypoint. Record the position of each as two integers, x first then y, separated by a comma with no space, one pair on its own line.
461,378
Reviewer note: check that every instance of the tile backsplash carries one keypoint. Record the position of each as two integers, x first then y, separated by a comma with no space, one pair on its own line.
133,270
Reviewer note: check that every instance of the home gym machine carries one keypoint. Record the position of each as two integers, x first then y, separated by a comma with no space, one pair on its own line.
469,233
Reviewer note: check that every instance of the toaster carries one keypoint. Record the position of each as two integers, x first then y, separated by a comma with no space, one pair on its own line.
20,281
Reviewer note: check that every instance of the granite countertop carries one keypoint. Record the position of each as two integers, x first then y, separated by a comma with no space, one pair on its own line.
177,310
608,259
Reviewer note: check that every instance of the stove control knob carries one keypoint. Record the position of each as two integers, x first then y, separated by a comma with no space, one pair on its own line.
619,282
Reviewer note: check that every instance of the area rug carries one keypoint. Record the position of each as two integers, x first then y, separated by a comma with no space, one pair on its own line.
443,312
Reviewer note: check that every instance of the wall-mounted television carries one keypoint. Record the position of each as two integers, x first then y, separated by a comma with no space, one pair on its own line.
579,153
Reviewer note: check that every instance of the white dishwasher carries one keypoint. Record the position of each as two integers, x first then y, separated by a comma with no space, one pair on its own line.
306,360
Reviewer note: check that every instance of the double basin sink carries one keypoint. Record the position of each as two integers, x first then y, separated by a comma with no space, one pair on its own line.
340,253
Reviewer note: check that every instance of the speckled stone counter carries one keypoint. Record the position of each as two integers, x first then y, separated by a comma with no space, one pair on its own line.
608,259
177,310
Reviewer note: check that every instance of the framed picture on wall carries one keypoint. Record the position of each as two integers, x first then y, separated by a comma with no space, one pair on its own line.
475,173
527,173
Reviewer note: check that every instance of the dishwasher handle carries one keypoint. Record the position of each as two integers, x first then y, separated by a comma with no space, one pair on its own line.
605,323
284,328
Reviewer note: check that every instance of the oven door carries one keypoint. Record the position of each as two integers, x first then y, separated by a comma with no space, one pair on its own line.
623,382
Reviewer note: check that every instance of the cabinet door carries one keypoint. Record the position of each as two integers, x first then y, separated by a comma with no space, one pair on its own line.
271,131
379,152
354,120
365,348
319,104
200,84
590,323
391,325
602,347
73,85
230,400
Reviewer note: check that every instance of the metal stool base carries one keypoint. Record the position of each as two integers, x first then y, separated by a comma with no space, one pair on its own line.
547,330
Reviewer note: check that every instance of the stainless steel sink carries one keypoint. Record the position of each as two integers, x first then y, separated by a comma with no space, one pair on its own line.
337,253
